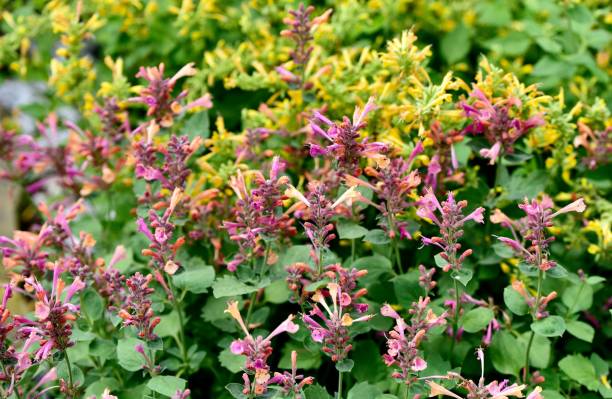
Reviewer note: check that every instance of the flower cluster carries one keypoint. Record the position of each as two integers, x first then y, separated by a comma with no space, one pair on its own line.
136,310
492,390
533,247
257,350
403,341
450,222
343,145
333,331
496,122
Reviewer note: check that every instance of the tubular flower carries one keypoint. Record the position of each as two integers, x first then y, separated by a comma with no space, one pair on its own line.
333,333
493,390
496,123
292,382
403,341
257,350
533,247
342,141
52,328
136,311
158,98
450,223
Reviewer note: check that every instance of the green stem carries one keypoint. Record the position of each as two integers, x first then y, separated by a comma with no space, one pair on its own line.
456,318
179,310
352,251
534,318
405,391
339,396
398,258
70,379
251,305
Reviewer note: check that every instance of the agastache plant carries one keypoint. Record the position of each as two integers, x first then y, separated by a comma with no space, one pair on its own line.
404,339
492,390
531,244
318,210
52,328
332,331
393,182
342,140
496,122
448,217
257,350
300,29
443,166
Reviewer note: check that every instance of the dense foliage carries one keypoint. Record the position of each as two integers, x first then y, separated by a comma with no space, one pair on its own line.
265,199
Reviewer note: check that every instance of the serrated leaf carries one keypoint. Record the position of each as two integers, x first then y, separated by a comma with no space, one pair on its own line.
166,384
345,365
578,297
515,302
230,286
377,237
551,326
581,330
195,280
581,370
507,353
233,363
348,230
127,356
477,319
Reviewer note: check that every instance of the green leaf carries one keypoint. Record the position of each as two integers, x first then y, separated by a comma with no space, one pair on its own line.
233,363
235,390
316,392
97,388
515,302
230,286
521,185
552,326
549,394
507,353
364,390
578,297
198,125
169,325
348,230
464,276
540,352
195,280
502,250
377,237
581,370
92,304
439,261
365,369
345,365
306,360
557,272
455,45
477,319
128,358
581,330
166,384
277,292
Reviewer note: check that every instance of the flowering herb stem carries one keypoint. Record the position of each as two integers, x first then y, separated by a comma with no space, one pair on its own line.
70,379
456,318
534,316
339,395
179,310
